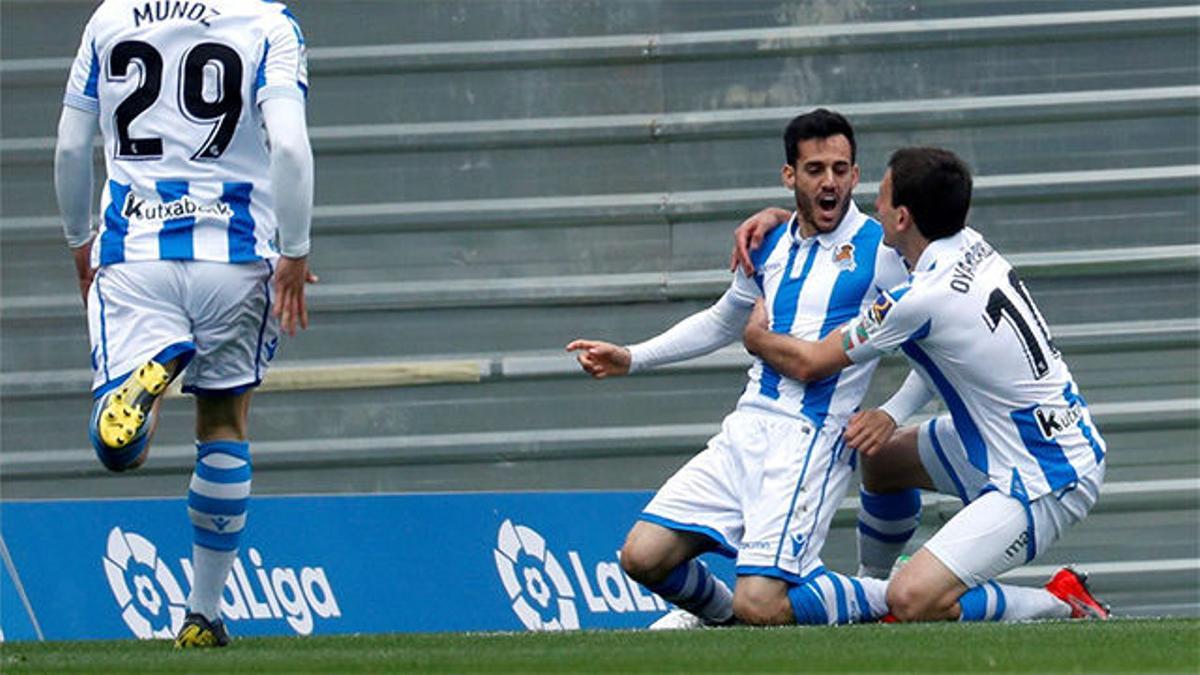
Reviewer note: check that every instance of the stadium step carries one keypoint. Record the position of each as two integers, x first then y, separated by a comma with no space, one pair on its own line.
1125,425
533,76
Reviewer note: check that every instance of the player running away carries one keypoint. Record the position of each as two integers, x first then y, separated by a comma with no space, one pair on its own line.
202,111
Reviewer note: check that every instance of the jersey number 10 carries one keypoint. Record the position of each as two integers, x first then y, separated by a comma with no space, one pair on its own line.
222,112
1000,306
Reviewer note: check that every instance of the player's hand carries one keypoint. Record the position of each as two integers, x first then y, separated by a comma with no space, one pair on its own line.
756,325
749,235
868,430
601,359
83,269
290,307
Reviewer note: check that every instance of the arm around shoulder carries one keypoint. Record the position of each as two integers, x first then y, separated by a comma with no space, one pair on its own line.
803,360
748,236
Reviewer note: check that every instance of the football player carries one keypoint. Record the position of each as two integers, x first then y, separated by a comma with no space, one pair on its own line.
766,487
201,253
1018,446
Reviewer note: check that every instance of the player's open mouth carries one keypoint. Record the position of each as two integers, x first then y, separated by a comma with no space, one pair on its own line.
828,204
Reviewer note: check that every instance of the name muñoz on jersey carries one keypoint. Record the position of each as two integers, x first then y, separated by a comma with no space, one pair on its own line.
176,85
973,333
812,286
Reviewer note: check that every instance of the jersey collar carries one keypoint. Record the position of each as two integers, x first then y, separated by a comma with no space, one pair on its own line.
946,246
844,232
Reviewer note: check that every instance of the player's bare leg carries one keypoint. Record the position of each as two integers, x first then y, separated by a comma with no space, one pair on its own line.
663,560
222,418
925,590
890,502
762,601
897,466
217,502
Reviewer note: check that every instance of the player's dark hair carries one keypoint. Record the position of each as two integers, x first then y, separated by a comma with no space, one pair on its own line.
820,123
935,185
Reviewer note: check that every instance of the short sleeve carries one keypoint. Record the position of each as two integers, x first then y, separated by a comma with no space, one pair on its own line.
897,316
82,84
283,68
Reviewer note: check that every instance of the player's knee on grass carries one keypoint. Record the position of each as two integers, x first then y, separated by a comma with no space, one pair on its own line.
911,601
760,601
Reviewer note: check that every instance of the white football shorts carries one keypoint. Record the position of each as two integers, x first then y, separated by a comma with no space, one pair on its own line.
945,460
995,532
765,489
137,309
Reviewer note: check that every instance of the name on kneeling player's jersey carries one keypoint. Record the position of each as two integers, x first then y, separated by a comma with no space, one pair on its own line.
173,9
964,270
1053,420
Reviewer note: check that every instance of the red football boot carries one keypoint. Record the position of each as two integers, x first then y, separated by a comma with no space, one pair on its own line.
1070,586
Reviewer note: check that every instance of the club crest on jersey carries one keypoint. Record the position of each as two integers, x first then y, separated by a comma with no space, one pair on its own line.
843,257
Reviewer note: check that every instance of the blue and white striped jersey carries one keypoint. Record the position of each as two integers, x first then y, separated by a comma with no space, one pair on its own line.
176,85
973,333
812,286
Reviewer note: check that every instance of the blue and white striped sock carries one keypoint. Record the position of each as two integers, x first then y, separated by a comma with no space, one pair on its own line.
1001,602
217,500
886,522
693,587
831,598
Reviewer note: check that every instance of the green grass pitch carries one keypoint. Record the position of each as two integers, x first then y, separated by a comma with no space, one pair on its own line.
1139,646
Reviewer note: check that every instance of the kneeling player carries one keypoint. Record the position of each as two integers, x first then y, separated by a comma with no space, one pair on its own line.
766,487
1018,447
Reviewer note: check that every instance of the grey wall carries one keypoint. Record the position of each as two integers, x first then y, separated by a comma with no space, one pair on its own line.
497,177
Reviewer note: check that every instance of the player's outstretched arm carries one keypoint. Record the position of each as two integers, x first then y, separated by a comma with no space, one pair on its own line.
73,187
601,359
802,360
749,235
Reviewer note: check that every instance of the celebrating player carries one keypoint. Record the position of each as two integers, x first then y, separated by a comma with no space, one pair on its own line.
201,107
766,487
1018,446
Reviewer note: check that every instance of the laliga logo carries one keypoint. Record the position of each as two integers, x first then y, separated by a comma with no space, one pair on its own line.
524,563
519,546
153,604
131,558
